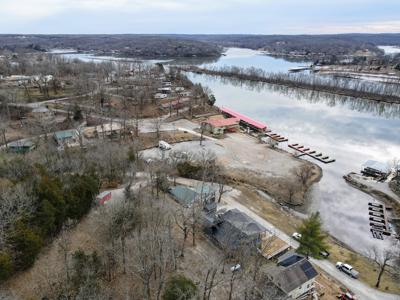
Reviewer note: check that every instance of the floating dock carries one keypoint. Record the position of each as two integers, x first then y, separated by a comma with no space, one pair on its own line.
276,137
311,153
378,220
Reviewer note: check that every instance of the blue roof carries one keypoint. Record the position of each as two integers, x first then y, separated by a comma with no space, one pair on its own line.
65,134
184,195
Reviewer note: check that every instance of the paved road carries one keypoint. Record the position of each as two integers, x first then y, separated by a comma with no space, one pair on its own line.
362,291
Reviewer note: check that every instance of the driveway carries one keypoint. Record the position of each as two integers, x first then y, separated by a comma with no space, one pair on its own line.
362,291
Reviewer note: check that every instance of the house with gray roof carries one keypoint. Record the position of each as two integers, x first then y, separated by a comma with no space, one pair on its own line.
293,274
234,228
186,196
21,146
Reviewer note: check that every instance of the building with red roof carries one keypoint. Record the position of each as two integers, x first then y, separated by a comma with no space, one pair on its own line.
220,126
244,120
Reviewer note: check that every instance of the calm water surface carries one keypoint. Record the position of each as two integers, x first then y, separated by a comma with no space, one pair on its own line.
350,130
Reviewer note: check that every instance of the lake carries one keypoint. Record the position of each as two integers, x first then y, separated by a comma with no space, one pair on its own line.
350,130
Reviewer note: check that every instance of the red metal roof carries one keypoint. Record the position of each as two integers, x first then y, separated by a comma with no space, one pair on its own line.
243,118
223,122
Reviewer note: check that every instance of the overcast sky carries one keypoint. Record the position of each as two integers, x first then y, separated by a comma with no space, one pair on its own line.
199,16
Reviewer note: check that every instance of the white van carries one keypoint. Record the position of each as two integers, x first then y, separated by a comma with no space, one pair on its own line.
164,145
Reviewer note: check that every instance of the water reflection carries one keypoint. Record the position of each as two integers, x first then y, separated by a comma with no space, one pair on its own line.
376,108
350,130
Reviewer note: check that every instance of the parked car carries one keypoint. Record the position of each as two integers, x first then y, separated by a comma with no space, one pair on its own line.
296,236
324,253
164,145
235,268
346,296
348,269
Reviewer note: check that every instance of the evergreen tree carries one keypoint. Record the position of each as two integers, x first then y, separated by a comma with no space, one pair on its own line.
312,240
180,287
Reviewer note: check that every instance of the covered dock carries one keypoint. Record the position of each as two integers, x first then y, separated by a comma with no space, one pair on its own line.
244,120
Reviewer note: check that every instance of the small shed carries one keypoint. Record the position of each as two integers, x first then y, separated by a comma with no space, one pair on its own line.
103,197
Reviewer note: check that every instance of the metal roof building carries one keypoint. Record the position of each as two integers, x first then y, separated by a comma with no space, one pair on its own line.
244,119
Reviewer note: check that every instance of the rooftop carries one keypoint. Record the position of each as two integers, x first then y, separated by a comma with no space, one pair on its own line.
243,222
184,195
66,134
223,122
291,277
244,118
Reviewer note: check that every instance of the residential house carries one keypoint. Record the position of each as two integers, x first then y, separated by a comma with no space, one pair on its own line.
42,112
67,138
175,104
21,146
186,196
293,274
233,229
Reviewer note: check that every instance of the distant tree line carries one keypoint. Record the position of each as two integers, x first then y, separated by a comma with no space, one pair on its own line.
386,92
127,45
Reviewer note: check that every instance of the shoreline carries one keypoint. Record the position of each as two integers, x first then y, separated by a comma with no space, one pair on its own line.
291,84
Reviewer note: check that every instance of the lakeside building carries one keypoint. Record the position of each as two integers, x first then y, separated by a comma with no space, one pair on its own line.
220,126
244,120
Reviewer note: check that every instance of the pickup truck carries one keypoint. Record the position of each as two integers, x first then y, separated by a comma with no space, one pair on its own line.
349,270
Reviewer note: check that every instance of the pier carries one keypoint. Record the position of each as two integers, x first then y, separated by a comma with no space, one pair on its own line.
276,137
311,153
378,220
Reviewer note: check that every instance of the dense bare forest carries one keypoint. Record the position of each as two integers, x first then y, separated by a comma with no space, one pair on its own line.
141,46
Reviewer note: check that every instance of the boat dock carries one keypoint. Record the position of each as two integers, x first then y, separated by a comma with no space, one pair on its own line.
378,220
276,137
311,153
299,69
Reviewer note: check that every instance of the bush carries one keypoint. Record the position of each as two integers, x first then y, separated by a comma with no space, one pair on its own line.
27,244
51,205
188,169
79,196
6,266
179,288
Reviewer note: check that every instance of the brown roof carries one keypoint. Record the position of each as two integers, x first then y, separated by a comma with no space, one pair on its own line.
223,122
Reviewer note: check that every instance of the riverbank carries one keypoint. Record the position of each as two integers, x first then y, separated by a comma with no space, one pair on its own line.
300,82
